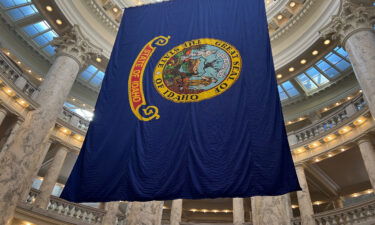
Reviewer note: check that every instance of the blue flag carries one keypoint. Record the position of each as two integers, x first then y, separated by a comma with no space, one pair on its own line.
189,109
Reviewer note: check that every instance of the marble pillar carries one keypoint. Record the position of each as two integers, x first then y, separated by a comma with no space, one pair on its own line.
20,155
112,209
368,155
238,211
51,177
3,114
9,138
270,210
353,27
34,173
176,212
304,199
144,213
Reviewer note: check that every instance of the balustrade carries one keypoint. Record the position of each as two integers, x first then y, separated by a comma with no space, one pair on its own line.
74,119
15,76
328,123
363,212
75,211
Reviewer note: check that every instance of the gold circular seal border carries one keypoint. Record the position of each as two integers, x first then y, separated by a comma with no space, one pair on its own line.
231,78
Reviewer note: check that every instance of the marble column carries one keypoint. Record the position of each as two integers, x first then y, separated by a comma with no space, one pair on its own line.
238,211
3,114
110,218
368,156
353,28
34,173
51,177
176,212
11,135
144,213
73,50
304,199
270,210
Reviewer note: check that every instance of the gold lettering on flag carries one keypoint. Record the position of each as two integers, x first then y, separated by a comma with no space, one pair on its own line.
136,94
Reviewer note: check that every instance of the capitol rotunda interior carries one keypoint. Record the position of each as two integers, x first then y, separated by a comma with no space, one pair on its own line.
53,56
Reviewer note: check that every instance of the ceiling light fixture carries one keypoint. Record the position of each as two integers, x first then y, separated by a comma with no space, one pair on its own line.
327,42
49,8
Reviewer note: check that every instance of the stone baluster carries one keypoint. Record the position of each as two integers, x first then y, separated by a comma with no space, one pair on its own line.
238,211
51,177
112,209
22,154
3,114
304,199
145,213
33,174
353,27
270,210
368,156
176,212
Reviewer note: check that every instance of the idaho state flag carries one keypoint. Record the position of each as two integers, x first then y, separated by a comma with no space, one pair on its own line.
189,109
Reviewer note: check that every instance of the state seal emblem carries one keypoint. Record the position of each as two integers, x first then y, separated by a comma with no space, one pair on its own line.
197,70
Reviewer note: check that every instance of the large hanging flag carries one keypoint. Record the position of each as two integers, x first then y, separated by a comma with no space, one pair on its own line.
189,108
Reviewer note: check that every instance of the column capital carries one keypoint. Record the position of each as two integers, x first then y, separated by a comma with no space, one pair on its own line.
352,18
74,44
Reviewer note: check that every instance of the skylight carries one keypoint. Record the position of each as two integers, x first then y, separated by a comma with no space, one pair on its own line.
22,12
93,76
287,90
42,35
325,70
13,3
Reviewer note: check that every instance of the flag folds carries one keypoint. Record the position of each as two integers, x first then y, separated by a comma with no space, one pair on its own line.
189,108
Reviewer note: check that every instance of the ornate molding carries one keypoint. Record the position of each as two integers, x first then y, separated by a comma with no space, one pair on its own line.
109,22
293,21
76,46
351,19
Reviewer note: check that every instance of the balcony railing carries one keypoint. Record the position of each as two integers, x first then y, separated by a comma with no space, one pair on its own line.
15,76
328,123
70,210
360,213
74,119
